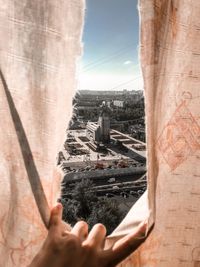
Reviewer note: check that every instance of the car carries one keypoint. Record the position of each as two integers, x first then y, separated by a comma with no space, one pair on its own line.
115,187
112,180
140,192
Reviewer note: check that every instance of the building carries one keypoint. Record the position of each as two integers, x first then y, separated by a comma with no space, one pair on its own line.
104,123
93,132
119,103
100,132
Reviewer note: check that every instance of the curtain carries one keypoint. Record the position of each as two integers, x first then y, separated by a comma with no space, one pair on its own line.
39,48
170,61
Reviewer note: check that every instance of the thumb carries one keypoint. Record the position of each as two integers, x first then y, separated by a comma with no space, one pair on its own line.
56,216
128,244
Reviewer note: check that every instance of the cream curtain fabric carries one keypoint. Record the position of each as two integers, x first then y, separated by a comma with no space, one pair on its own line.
170,59
40,43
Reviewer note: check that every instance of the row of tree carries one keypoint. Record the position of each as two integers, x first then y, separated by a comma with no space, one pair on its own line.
85,205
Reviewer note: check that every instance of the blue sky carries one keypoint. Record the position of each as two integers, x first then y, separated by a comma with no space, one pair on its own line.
110,37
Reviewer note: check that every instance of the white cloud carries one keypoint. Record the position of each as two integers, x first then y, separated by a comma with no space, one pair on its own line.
128,62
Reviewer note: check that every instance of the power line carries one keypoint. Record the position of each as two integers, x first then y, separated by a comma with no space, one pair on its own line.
106,59
127,82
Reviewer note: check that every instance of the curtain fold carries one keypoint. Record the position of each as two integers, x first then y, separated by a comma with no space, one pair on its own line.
39,48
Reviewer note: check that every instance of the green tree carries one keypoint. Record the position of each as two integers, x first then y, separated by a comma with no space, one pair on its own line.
84,205
84,198
80,205
106,212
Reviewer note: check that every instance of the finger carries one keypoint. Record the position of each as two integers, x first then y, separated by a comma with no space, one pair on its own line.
56,217
125,246
80,230
96,236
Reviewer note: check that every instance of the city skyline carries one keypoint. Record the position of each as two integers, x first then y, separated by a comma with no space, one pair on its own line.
110,54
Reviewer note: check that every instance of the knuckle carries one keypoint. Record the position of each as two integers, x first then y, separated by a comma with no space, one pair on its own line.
89,249
82,224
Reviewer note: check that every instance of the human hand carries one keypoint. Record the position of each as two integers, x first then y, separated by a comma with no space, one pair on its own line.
78,248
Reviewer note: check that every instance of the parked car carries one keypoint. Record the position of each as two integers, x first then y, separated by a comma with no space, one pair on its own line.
112,180
115,187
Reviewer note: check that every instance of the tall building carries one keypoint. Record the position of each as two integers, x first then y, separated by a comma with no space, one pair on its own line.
104,123
100,132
